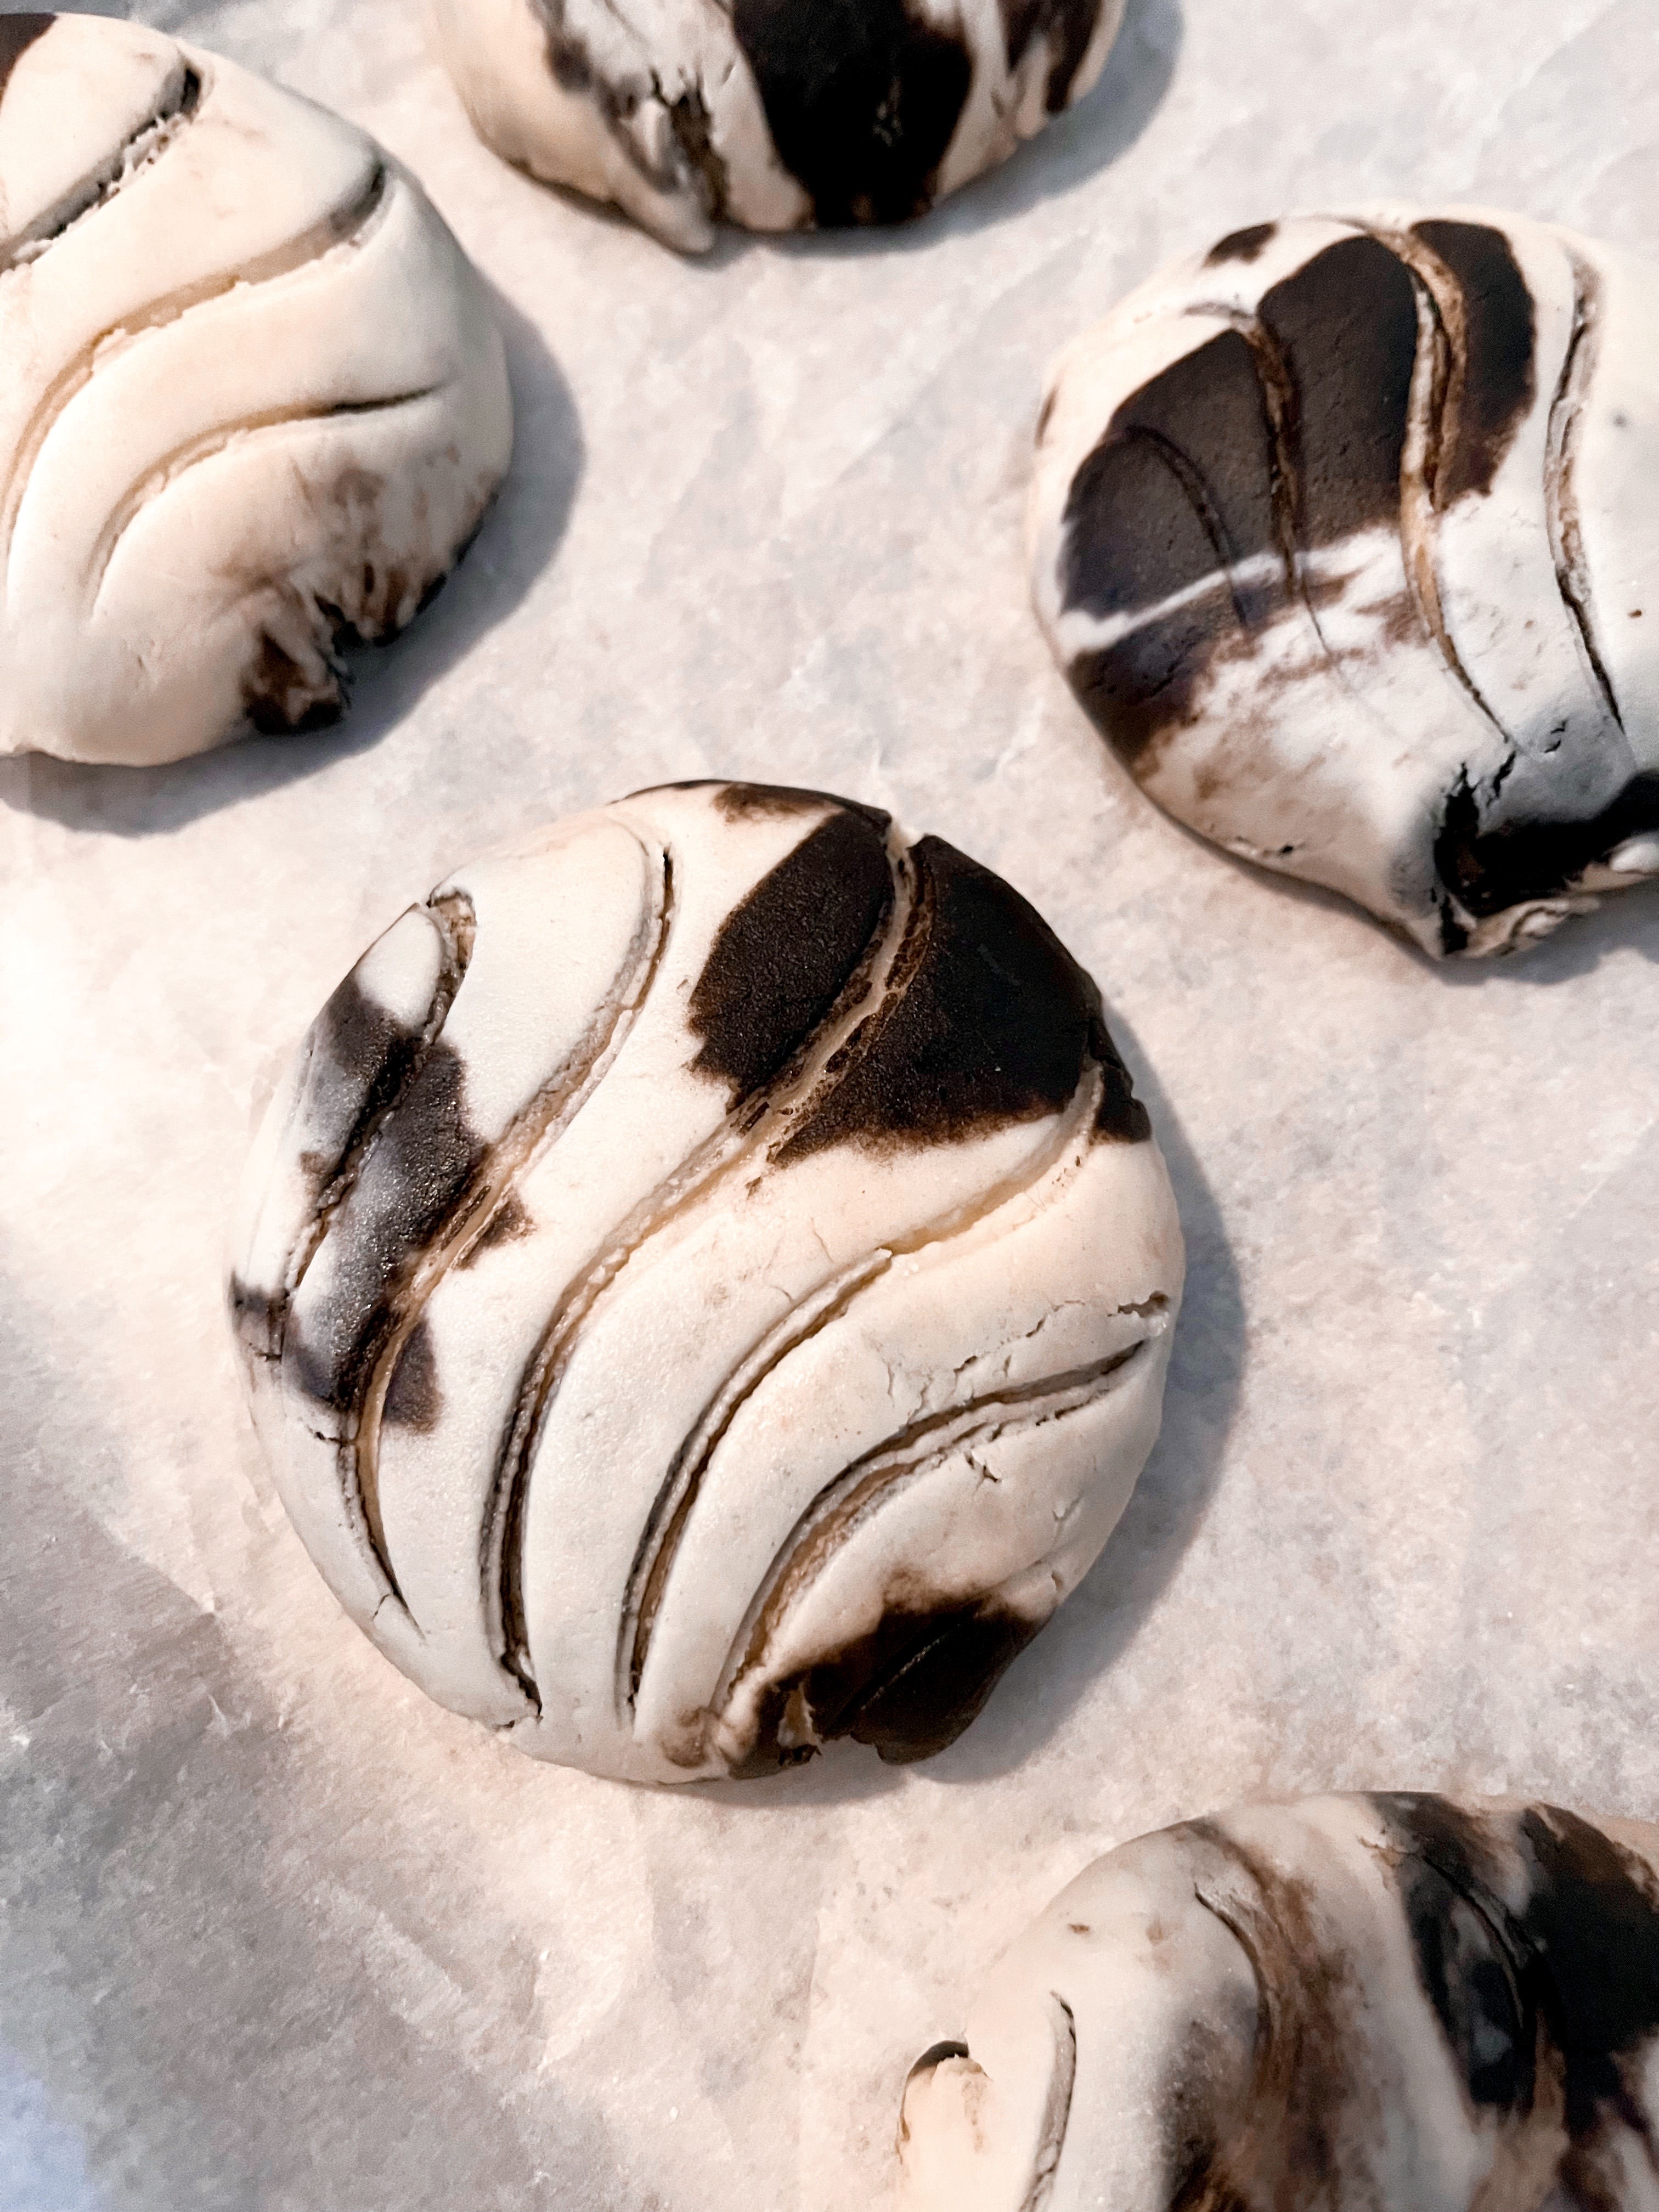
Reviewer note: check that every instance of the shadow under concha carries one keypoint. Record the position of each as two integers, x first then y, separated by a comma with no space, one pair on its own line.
518,538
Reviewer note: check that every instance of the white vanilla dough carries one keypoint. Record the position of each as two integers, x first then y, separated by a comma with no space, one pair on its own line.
1347,535
1386,2004
706,1284
775,114
254,407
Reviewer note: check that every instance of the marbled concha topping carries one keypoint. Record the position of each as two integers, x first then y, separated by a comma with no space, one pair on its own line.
777,114
255,406
1378,2004
706,1284
1339,532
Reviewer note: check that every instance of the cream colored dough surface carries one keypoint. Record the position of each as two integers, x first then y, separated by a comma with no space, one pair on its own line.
255,398
278,1930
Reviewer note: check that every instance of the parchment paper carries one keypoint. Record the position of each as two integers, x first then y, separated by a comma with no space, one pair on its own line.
276,1934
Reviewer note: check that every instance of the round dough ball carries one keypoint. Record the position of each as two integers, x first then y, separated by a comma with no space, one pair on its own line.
1362,2004
1347,535
705,1286
254,408
776,114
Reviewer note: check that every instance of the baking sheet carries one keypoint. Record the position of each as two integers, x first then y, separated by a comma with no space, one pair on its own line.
276,1934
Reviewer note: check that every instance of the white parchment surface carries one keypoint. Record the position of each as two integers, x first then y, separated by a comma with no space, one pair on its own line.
276,1934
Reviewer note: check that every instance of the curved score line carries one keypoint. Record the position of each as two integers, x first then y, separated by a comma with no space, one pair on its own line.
91,193
453,918
746,1128
538,1124
1430,395
455,931
346,225
167,472
1433,408
1057,2105
1560,497
666,1524
876,1479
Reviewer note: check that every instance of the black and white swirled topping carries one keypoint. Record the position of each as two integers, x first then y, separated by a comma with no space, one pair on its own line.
776,114
706,1284
1351,2005
252,403
1346,535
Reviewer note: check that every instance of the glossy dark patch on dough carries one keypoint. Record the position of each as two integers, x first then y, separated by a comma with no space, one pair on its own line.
693,129
1241,245
1182,482
415,1182
1194,477
752,802
17,34
1139,689
861,99
1474,1973
1134,531
908,1688
935,2055
257,1317
358,1059
1180,489
1196,2159
413,1397
1068,26
1346,326
1472,1985
1203,2191
1591,1916
278,696
987,1022
1120,1118
785,955
748,802
1585,1947
1499,381
1075,23
573,71
1490,870
1330,2116
510,1220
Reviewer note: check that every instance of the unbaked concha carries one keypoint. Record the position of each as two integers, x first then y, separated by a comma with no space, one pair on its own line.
1346,534
1356,2004
706,1284
254,403
775,114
